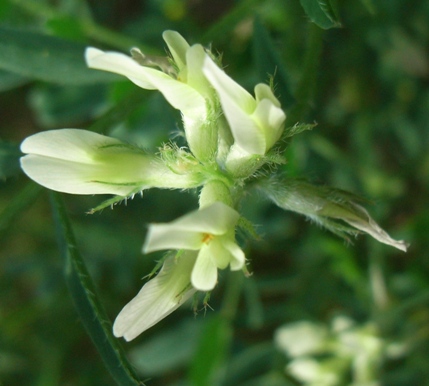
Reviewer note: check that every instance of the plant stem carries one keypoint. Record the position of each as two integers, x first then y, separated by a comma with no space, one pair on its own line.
232,295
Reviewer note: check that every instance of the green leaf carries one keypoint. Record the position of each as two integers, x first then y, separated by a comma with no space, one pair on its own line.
370,6
307,84
250,363
322,12
120,111
9,80
9,159
87,303
68,27
59,105
19,203
221,30
268,63
43,57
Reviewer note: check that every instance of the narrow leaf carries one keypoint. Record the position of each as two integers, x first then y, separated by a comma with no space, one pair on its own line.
18,204
47,58
370,6
321,12
86,301
310,69
9,81
221,30
9,159
269,63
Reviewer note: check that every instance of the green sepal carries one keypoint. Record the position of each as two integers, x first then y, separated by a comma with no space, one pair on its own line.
247,226
298,128
335,209
111,202
301,197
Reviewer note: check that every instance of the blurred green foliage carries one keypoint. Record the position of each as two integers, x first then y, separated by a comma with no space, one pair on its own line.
359,69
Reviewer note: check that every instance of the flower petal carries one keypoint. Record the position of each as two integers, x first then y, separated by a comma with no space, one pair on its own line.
237,105
247,135
81,162
237,255
188,231
214,219
178,46
66,144
181,96
263,91
269,119
165,236
178,94
215,250
122,64
71,177
195,57
302,338
225,86
158,298
204,273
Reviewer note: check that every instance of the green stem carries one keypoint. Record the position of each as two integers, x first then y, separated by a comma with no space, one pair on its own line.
112,38
377,281
232,295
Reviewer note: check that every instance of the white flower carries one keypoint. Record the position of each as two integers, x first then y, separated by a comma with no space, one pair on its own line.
314,373
185,92
158,298
301,338
183,86
82,162
209,230
256,124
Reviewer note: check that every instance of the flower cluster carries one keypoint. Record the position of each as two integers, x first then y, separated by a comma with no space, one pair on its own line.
230,134
323,355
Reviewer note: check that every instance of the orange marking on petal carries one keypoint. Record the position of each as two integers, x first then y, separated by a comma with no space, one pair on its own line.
207,237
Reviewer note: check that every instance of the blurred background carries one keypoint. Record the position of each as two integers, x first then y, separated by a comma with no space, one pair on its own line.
359,69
